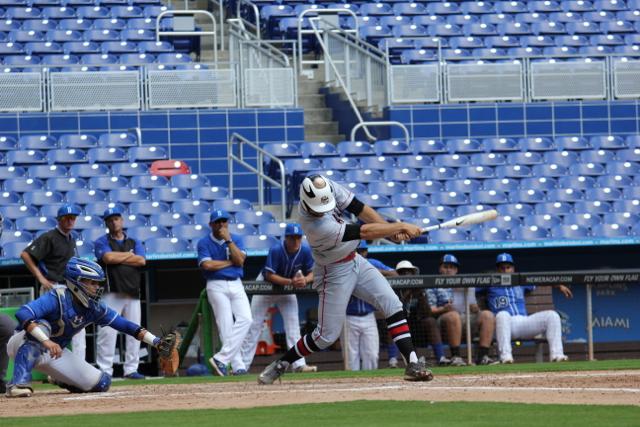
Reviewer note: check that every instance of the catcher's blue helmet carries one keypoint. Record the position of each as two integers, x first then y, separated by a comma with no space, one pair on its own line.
78,269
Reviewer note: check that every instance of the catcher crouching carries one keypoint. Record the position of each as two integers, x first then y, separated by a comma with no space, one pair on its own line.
47,324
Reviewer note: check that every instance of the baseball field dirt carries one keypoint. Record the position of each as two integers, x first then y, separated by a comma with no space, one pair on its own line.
621,387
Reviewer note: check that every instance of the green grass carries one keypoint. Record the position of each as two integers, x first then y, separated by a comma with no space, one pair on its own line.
495,369
361,413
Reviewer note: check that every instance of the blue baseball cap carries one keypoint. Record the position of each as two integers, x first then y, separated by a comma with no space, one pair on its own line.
69,209
293,229
109,212
504,258
449,259
363,245
219,214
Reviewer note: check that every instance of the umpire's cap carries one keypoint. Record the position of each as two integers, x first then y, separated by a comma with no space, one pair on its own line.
449,259
293,229
504,258
219,214
68,209
406,265
109,212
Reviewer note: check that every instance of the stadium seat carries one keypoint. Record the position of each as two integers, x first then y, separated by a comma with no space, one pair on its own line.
394,147
514,171
209,193
144,233
243,229
129,169
189,181
83,170
577,182
400,174
587,169
14,211
529,232
128,195
275,229
563,158
46,171
13,249
555,208
318,149
85,196
434,212
375,200
623,168
379,163
23,185
258,242
606,194
551,170
487,159
397,214
438,173
42,197
355,148
610,230
84,222
169,219
11,172
168,245
107,155
107,183
489,197
489,234
614,181
256,218
570,231
530,195
385,188
573,143
463,185
408,200
424,186
65,184
67,156
537,144
589,206
232,205
169,194
147,207
35,223
191,232
340,163
448,235
26,157
16,236
450,198
524,158
517,210
363,175
500,184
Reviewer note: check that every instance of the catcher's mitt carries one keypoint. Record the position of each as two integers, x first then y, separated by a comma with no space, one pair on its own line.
169,359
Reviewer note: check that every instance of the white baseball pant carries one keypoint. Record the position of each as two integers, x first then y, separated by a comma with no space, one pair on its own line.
288,306
363,342
228,300
526,327
335,283
69,368
129,308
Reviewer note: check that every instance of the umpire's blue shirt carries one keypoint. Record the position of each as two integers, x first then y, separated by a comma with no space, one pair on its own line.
212,249
284,264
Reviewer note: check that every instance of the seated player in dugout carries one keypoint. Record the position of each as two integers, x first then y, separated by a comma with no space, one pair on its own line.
448,306
47,325
419,314
512,320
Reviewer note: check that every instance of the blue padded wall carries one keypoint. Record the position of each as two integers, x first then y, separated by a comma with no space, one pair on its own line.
198,137
517,119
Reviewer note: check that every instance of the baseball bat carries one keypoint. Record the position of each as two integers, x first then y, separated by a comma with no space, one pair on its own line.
474,218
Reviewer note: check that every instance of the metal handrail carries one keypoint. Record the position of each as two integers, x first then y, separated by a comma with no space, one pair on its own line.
381,123
220,4
190,33
256,14
327,57
237,27
260,152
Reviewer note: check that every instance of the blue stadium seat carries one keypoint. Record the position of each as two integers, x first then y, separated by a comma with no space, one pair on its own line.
67,156
409,9
58,12
614,181
144,233
10,172
8,143
424,186
529,195
400,174
318,149
570,231
169,219
408,200
253,217
506,222
275,229
37,142
417,56
355,148
375,200
626,219
414,161
92,234
11,48
385,188
577,182
300,166
448,235
137,58
378,163
500,184
400,213
513,171
517,210
489,234
450,198
106,183
14,211
375,9
141,23
129,169
631,193
107,155
489,197
529,232
35,223
623,168
84,170
587,169
611,230
232,205
451,160
46,171
589,206
243,229
555,208
147,207
487,159
363,175
109,24
84,222
503,42
191,207
587,220
26,36
524,158
23,185
121,140
545,221
563,158
610,142
552,170
43,48
537,144
65,184
209,193
42,197
493,145
191,232
565,195
120,47
137,35
169,245
438,173
60,60
81,47
434,212
408,30
85,196
16,236
630,155
128,195
387,147
463,185
258,242
340,163
98,59
127,12
189,181
597,156
13,249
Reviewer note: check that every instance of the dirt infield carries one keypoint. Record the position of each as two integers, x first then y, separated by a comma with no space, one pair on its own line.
596,387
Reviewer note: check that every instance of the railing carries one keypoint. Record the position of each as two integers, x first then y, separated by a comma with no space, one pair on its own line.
527,79
383,123
240,142
267,77
193,13
256,15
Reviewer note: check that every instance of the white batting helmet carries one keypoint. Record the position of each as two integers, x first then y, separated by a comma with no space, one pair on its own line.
316,194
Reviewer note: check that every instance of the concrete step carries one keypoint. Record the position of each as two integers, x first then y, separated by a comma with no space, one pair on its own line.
311,101
321,128
309,88
324,138
315,115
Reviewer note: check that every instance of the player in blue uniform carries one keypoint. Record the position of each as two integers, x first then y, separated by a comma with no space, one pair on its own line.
289,263
47,325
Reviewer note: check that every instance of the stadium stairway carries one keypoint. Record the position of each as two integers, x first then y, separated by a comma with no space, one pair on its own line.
318,118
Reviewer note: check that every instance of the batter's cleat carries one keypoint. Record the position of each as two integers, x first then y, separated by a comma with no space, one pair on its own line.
219,367
486,360
443,361
417,371
134,376
240,372
305,368
562,358
273,372
457,361
508,361
19,391
393,362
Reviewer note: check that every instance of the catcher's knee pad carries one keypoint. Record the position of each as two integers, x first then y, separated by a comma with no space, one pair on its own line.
103,384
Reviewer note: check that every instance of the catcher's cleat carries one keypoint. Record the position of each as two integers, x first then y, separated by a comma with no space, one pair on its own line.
417,371
273,372
19,391
305,368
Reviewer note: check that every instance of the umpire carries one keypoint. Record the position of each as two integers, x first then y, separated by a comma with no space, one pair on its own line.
122,259
47,256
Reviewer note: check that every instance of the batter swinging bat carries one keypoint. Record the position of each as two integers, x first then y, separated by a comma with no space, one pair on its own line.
474,218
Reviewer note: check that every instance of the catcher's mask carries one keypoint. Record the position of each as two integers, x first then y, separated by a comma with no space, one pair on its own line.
86,280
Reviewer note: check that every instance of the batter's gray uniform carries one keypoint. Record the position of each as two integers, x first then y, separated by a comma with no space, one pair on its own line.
340,272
